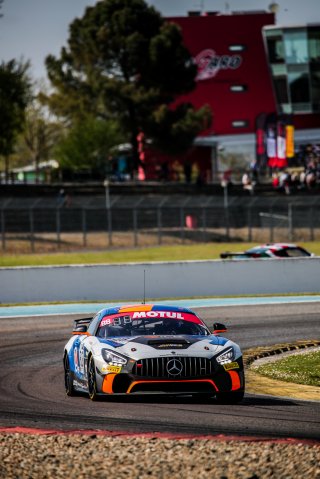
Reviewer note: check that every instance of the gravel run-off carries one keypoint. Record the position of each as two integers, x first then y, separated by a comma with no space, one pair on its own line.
81,456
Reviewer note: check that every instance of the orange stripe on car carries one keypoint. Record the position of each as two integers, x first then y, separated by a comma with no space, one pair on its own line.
107,383
235,380
141,307
169,382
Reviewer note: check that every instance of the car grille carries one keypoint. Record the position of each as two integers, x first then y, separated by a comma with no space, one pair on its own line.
173,367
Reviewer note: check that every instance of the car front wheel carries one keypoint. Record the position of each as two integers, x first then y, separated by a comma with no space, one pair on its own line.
92,383
68,378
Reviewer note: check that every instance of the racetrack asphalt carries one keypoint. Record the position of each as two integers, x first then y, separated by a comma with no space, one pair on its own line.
32,393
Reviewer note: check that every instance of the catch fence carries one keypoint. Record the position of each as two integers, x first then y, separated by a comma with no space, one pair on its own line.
43,225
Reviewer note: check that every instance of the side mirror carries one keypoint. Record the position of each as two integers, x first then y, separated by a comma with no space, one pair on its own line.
219,328
80,329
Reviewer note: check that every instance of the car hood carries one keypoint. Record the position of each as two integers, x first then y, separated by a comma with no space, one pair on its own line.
154,346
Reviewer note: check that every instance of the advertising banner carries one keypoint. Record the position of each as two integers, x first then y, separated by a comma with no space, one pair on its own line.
290,141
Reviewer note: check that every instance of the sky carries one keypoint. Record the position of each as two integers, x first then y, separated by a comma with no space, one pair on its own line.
32,29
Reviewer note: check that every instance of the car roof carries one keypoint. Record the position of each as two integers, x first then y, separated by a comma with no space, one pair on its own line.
276,246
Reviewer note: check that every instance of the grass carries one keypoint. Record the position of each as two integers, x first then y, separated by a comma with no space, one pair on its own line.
299,369
198,251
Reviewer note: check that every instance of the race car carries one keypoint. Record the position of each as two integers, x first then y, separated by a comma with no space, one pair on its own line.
269,250
152,349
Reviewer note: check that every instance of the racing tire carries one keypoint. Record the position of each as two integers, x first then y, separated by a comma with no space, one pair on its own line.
92,382
68,378
232,397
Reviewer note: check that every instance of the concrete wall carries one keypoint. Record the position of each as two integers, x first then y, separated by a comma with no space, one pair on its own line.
177,279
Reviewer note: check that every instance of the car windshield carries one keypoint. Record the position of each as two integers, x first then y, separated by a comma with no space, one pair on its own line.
128,326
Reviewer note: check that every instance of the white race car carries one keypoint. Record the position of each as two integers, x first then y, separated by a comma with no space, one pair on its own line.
269,250
152,349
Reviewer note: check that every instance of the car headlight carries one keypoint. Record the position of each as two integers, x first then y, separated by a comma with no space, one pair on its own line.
226,356
113,358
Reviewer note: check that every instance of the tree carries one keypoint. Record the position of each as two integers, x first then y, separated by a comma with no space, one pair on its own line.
40,134
14,97
124,61
87,145
173,131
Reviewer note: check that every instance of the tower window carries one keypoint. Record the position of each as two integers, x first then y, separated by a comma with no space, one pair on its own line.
238,88
240,123
237,48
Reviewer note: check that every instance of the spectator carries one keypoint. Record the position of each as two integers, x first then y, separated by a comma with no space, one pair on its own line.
61,198
284,181
254,171
275,181
247,184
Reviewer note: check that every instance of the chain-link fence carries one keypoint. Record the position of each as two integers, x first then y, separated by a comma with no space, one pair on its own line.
29,224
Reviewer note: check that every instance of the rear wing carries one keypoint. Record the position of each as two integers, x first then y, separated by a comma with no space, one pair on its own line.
80,326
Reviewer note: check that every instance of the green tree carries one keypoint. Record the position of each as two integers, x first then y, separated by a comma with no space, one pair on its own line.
87,145
15,91
40,134
124,61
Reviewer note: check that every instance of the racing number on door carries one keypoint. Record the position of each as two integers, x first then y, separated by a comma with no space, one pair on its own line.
81,357
80,354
